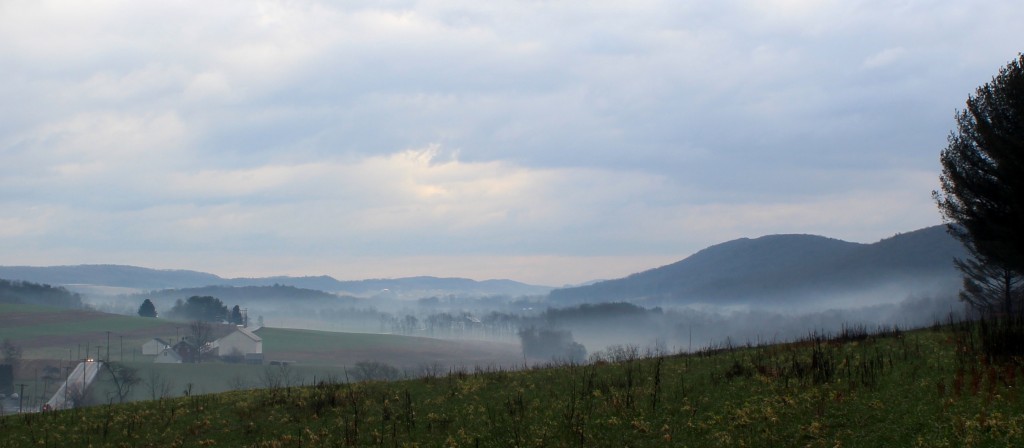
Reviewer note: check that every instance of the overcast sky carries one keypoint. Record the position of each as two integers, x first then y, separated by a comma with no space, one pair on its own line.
550,142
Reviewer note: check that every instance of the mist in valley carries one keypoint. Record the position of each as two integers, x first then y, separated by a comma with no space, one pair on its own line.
646,325
435,326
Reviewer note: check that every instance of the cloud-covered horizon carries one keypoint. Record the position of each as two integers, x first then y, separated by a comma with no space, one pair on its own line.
548,142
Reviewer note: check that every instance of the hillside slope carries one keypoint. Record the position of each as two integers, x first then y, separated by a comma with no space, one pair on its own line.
893,390
784,268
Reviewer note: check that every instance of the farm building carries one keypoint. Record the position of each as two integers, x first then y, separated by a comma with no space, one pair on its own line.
168,356
154,346
187,351
240,344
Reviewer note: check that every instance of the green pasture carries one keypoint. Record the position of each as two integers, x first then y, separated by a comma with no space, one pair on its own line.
286,340
80,322
113,324
346,349
31,309
50,333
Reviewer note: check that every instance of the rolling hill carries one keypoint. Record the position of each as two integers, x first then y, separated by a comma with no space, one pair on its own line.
119,276
785,269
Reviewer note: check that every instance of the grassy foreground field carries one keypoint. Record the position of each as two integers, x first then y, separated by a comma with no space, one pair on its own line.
902,389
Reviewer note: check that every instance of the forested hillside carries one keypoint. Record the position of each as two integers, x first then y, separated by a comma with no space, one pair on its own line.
785,268
36,294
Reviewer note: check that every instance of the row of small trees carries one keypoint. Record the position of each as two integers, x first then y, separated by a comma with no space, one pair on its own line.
201,308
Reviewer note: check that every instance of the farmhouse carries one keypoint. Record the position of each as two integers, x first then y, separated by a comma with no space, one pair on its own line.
154,346
241,344
168,356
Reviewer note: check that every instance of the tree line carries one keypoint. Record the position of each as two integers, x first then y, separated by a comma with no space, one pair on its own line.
197,308
28,293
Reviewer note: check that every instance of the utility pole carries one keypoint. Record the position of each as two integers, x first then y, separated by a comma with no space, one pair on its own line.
67,375
108,347
21,397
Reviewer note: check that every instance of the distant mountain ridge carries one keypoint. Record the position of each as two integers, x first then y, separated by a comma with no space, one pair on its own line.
159,279
110,275
771,268
248,295
780,268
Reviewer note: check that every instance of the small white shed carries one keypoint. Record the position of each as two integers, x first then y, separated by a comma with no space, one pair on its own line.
154,346
168,356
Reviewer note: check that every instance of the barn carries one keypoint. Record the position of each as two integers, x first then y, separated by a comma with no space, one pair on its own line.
240,344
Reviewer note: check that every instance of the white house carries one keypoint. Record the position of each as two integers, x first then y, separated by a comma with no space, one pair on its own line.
154,346
240,343
168,356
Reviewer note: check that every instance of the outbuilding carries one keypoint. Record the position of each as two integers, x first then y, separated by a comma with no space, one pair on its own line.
154,346
187,351
240,344
168,356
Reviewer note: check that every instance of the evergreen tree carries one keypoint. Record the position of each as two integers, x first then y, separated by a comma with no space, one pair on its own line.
982,199
147,309
236,316
982,178
203,308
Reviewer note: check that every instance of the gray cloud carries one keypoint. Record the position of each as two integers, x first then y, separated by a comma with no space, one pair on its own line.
325,134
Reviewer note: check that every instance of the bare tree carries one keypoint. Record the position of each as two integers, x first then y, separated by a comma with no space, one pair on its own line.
374,371
124,379
202,334
430,370
275,377
271,378
77,396
237,382
159,386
